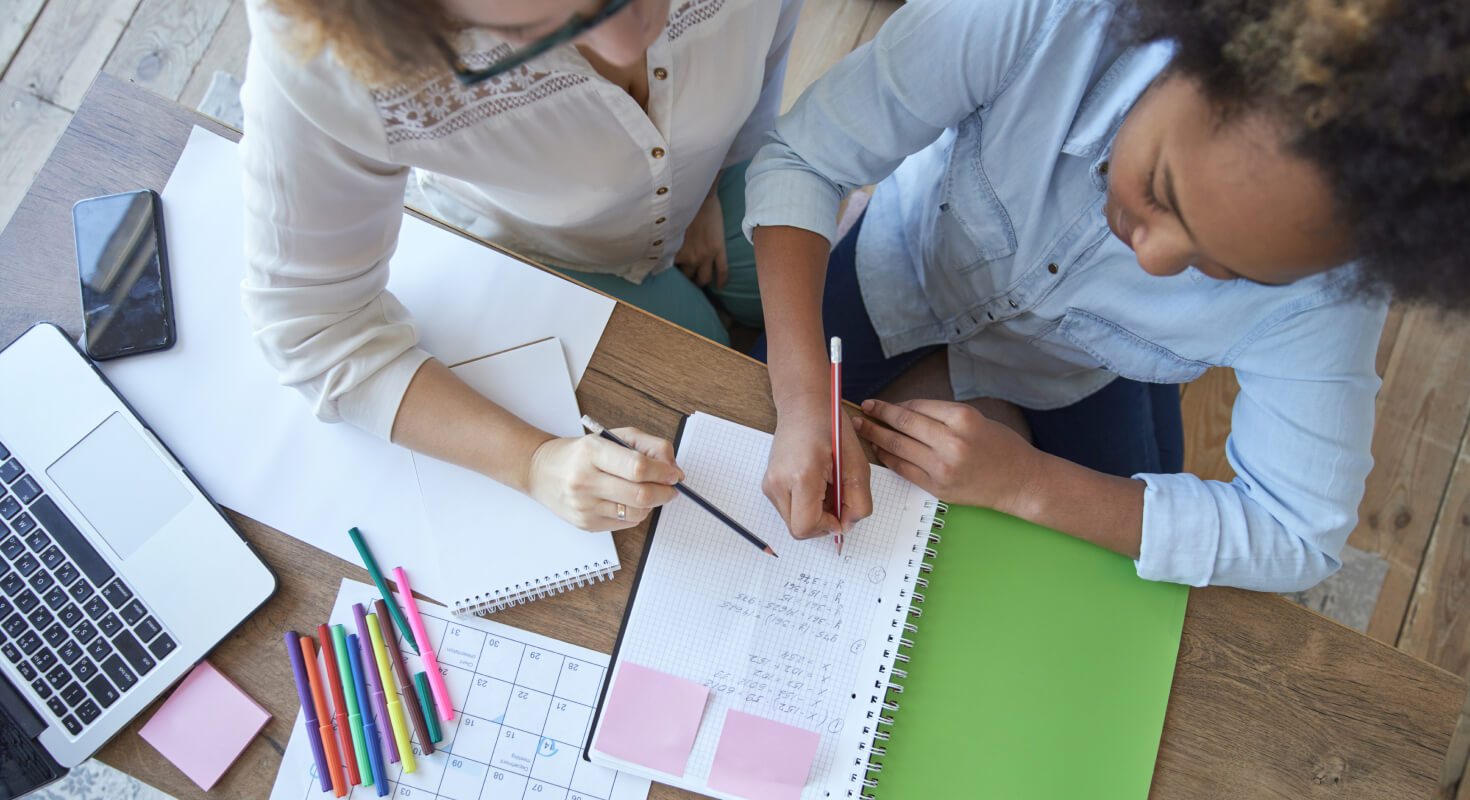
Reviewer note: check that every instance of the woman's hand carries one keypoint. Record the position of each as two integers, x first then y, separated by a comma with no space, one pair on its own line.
702,256
584,479
952,451
799,472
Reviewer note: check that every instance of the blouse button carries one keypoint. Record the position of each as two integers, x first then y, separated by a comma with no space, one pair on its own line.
1013,303
660,220
1052,268
657,152
662,190
657,242
660,73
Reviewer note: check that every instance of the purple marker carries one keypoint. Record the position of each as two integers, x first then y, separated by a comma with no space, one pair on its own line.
375,684
308,707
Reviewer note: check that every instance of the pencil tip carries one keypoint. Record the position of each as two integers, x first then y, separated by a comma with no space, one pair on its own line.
772,552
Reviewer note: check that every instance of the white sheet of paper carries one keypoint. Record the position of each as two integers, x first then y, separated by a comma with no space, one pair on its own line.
492,540
255,445
522,704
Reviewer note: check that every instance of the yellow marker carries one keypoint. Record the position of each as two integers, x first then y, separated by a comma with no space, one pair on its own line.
390,695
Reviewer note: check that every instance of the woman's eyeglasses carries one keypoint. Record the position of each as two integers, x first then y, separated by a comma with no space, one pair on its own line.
574,27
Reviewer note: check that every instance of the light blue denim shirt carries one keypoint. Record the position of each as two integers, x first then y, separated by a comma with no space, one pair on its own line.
989,124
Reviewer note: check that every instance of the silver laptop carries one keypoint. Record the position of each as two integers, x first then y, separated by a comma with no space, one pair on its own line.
117,573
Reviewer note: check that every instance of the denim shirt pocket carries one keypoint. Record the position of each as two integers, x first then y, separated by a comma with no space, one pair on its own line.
1125,353
972,225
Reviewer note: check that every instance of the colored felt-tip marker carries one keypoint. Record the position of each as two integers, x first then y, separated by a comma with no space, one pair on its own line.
426,699
358,768
369,726
308,708
431,661
324,718
332,676
375,684
599,429
836,353
395,707
411,706
371,565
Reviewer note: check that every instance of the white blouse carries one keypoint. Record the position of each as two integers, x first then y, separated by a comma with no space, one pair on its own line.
552,161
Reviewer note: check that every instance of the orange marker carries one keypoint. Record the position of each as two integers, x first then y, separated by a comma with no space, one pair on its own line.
324,716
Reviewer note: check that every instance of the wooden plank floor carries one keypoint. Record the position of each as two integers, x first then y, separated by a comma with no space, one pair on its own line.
1415,515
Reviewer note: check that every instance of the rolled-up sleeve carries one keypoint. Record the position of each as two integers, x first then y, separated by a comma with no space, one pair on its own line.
930,65
321,222
1300,444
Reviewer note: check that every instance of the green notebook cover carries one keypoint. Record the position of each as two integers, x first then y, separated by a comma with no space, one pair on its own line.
1041,668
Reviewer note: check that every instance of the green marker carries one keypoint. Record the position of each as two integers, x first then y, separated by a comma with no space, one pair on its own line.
377,576
354,713
421,680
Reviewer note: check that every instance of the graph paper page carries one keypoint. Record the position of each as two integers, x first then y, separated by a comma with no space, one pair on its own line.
801,639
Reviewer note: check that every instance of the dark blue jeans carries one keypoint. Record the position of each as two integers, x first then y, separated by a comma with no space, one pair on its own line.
1122,429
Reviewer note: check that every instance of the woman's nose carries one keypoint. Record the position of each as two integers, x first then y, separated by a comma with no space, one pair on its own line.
1159,251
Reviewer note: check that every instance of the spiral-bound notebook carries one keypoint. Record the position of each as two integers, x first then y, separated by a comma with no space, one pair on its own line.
494,546
1044,674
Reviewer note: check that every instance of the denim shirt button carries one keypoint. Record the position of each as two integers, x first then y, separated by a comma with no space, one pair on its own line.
1013,303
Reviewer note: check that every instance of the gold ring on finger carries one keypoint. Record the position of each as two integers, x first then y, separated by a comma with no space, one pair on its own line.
622,513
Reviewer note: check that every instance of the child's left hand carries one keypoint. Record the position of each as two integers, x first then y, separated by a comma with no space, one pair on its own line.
952,451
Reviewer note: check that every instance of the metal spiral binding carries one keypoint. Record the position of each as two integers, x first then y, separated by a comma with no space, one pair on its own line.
557,583
905,644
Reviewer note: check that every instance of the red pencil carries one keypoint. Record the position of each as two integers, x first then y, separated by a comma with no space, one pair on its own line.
339,702
837,437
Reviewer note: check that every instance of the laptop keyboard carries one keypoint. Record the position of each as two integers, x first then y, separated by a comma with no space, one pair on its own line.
68,623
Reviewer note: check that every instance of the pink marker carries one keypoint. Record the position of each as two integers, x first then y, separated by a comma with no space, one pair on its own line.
431,663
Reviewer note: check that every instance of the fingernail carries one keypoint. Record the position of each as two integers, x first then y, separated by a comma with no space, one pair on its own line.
857,423
868,404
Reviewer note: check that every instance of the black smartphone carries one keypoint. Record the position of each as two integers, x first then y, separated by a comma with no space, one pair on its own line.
126,304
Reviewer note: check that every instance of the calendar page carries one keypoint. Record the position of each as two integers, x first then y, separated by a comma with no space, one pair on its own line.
522,703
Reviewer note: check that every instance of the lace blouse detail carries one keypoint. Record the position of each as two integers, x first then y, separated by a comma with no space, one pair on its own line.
441,106
689,13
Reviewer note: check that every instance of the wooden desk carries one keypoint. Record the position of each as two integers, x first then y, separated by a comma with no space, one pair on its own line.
1269,700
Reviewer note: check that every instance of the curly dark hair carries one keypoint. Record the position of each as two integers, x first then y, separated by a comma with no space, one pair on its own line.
1375,93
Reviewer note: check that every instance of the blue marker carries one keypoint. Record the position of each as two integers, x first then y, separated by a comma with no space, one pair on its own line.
369,727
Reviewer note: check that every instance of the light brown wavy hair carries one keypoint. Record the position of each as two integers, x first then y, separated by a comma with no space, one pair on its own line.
381,42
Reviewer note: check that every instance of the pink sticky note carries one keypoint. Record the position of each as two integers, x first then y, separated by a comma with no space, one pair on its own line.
761,759
205,725
650,718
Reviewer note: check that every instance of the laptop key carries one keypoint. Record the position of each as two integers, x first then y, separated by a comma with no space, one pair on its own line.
52,557
67,573
56,635
12,583
110,624
74,694
72,726
44,659
84,632
57,707
161,646
70,652
9,506
16,625
95,607
69,615
40,618
26,489
117,593
27,564
99,649
37,541
132,612
128,645
5,608
80,590
4,453
102,691
23,524
11,652
41,581
25,601
56,598
72,541
26,670
42,690
147,629
28,642
115,669
11,470
84,669
58,676
12,547
87,712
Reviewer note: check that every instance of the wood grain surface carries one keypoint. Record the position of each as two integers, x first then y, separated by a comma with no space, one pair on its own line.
1269,700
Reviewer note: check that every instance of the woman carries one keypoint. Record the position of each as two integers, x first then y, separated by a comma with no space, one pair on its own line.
606,138
1084,203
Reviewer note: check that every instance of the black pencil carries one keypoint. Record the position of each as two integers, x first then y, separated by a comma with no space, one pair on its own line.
601,430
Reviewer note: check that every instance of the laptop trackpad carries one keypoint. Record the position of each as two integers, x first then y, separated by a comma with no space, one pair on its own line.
123,488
